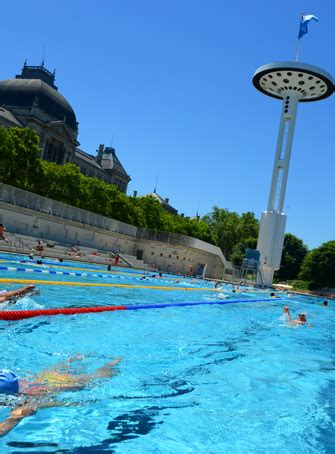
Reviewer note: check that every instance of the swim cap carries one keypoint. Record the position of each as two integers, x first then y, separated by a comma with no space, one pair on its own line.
9,382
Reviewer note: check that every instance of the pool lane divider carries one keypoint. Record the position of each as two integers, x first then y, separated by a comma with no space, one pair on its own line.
20,315
131,276
91,284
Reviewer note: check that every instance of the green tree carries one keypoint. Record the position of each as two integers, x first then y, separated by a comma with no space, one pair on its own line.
154,216
21,166
231,232
20,163
318,267
63,183
294,252
223,225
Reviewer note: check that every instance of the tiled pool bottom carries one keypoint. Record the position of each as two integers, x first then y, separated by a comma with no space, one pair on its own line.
211,379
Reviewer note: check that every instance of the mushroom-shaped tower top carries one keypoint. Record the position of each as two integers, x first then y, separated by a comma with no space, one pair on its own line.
307,82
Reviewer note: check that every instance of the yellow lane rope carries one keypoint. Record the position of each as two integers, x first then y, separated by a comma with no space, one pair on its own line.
88,284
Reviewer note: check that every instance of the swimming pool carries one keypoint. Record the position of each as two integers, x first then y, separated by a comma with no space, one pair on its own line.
211,379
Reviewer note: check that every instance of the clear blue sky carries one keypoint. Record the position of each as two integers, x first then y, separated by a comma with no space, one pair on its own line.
170,83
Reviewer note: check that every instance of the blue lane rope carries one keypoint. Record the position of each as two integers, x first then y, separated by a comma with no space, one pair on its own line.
110,276
198,303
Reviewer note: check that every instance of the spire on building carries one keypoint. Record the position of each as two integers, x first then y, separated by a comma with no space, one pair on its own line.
37,72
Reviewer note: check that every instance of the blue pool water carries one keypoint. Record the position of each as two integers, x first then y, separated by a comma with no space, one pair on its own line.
200,379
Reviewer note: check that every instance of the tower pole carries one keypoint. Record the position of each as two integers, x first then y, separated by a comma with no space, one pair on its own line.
273,221
291,82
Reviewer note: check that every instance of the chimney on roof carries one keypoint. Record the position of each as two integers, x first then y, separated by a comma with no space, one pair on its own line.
135,194
167,200
100,151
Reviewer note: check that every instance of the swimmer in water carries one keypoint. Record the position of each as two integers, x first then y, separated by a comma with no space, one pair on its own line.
42,391
286,316
301,320
13,296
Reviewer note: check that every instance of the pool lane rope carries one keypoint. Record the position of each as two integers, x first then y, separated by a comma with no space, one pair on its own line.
91,284
20,315
130,276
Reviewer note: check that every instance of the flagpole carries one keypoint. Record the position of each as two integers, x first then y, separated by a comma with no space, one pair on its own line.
298,43
297,51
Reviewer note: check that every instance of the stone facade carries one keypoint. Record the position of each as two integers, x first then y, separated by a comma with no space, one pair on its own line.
32,100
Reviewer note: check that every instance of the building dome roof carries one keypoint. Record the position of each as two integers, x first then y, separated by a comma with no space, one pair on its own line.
29,89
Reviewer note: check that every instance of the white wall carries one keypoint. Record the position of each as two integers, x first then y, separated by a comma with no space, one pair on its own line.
167,256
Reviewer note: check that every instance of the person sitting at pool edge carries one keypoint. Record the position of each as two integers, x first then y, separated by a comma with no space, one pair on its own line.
14,294
47,383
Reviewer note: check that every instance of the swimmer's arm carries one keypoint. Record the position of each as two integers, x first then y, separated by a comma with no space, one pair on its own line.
16,293
15,417
63,365
108,370
19,413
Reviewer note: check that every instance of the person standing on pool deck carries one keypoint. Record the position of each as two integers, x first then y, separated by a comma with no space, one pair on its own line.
2,233
116,260
39,247
40,393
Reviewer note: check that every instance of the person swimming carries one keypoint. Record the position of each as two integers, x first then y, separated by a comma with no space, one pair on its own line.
286,316
300,320
13,295
40,393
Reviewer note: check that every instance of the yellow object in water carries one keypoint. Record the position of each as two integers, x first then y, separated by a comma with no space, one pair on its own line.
57,379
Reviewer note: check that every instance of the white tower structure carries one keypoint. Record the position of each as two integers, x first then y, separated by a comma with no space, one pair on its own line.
292,82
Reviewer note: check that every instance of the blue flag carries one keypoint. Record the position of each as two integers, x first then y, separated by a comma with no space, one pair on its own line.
305,20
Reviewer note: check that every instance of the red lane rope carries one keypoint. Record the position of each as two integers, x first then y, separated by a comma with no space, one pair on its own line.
19,315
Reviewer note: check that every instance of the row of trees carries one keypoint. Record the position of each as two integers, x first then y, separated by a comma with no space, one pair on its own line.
21,166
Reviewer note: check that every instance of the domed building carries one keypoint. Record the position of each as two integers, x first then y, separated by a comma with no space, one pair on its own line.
32,100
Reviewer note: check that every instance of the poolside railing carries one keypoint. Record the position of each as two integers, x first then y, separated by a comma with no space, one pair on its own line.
35,202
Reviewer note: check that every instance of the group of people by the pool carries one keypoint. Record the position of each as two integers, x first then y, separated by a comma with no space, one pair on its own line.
40,392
